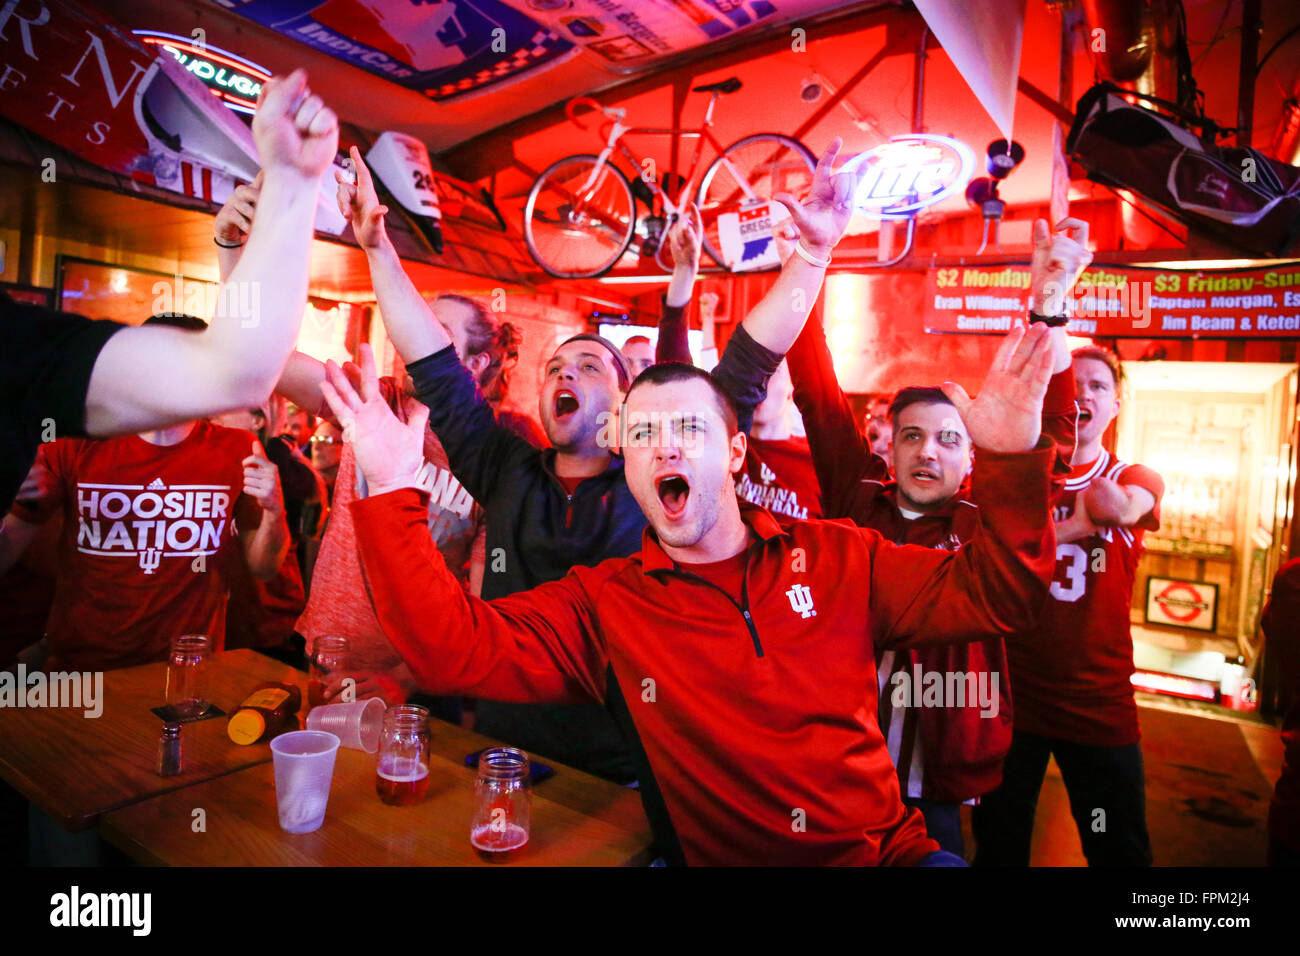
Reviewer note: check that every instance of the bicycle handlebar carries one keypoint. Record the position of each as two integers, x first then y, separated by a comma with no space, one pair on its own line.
570,108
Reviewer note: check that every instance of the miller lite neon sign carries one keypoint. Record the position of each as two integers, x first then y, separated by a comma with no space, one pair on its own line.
908,173
236,81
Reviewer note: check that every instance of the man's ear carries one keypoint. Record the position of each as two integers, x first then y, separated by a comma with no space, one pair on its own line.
739,446
477,364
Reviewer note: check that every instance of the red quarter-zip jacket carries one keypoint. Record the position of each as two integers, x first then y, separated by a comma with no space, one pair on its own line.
756,720
945,753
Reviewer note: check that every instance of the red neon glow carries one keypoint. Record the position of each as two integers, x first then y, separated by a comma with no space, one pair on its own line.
210,54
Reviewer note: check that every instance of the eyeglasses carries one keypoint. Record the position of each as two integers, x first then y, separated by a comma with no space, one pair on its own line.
326,440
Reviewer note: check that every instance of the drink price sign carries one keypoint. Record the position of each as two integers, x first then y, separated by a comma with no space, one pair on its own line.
1124,301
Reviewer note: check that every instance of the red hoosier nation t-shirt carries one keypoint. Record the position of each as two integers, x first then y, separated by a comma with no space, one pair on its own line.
1070,677
779,476
149,536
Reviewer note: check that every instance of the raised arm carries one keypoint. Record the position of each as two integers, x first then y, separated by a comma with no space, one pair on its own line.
152,376
997,582
841,456
264,531
538,646
674,327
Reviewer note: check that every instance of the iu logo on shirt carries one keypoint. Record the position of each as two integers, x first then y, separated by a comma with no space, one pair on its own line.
801,601
766,473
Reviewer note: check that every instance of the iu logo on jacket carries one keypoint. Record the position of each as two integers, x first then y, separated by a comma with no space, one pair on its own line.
801,601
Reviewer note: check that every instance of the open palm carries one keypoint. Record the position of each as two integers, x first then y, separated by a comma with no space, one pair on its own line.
1007,414
824,214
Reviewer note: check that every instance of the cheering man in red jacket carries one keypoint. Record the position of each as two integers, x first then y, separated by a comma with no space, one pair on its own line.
739,654
948,748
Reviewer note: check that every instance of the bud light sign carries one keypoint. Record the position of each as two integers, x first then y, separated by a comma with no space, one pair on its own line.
903,176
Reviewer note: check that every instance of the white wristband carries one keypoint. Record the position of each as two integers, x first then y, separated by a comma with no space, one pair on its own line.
809,258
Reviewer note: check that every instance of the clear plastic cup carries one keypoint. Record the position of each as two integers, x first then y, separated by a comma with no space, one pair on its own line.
357,724
304,766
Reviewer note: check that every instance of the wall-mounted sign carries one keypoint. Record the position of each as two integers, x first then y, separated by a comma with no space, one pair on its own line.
908,173
1124,301
238,82
1175,603
746,237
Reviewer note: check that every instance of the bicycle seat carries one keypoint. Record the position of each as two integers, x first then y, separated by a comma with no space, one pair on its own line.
724,86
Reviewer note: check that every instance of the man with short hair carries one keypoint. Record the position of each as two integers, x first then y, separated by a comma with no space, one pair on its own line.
153,526
64,376
640,354
947,751
878,428
570,505
737,652
1074,698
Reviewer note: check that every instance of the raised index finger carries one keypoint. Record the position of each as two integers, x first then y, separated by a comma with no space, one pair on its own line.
1076,229
827,161
363,172
369,377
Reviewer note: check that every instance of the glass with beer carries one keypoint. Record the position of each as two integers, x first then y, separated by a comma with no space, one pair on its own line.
187,675
502,804
402,775
329,660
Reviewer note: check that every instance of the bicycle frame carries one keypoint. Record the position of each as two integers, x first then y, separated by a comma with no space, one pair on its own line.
614,138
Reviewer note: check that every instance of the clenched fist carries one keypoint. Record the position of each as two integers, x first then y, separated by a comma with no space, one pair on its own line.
295,132
1057,263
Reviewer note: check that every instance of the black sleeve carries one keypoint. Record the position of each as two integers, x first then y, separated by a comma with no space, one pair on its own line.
479,449
46,358
743,372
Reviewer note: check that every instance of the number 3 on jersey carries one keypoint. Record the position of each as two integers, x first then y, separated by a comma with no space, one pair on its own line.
1075,570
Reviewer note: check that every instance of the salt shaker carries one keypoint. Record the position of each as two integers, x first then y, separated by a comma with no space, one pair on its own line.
169,751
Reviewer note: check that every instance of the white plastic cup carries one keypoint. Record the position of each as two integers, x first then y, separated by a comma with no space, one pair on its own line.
357,724
304,767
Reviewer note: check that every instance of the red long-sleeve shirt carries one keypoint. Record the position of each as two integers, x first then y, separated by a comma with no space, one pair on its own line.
951,753
756,720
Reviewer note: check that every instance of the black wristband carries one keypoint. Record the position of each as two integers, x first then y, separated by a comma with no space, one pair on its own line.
231,245
1055,321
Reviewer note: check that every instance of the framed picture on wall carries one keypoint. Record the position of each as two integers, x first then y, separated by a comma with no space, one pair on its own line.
1177,603
128,294
28,294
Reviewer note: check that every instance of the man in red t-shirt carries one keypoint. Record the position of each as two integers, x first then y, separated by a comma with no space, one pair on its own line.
1071,677
152,526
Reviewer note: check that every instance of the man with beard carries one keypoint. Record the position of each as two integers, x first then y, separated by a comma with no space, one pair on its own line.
568,505
947,752
1074,699
739,653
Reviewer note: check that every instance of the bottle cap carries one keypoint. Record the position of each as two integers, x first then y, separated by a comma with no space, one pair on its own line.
246,726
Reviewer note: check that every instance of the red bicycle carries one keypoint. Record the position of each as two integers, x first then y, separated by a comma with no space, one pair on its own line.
581,215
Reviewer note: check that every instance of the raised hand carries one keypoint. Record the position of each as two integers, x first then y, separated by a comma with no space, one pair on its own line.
684,239
1007,414
1057,263
389,452
262,481
295,132
234,220
822,218
359,203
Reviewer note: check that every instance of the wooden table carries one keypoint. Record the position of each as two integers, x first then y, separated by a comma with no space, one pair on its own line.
75,768
577,819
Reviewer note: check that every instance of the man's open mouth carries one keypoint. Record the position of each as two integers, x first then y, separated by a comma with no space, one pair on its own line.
924,475
1085,415
566,403
673,491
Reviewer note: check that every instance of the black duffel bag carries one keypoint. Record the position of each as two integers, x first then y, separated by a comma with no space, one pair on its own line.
1235,193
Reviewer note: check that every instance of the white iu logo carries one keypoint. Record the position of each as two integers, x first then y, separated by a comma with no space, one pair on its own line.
150,558
766,474
801,600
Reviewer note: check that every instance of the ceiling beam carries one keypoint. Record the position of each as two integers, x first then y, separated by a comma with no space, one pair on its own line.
480,157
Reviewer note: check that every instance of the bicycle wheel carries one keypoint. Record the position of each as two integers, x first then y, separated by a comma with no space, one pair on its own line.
574,230
758,166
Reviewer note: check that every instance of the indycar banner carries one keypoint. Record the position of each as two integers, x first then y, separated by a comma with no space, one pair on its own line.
1125,301
69,74
452,48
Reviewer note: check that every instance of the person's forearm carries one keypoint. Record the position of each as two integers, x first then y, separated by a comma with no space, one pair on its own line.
269,546
227,258
532,647
681,286
300,383
261,304
411,324
1074,528
1061,358
777,320
674,344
